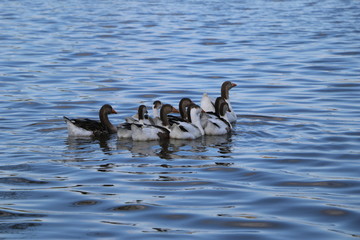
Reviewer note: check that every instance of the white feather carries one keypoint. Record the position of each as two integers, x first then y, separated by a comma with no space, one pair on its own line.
75,131
193,129
216,127
123,132
145,133
207,104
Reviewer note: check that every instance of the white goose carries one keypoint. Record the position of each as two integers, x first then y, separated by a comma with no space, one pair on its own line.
142,117
218,123
207,104
153,132
191,129
86,127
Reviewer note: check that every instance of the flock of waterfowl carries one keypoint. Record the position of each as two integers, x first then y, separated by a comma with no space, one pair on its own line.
210,118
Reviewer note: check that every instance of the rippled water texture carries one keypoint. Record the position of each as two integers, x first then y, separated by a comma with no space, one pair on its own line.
290,169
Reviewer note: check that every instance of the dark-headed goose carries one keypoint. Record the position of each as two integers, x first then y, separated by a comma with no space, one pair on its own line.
191,129
154,132
141,118
218,123
209,106
86,127
183,105
212,115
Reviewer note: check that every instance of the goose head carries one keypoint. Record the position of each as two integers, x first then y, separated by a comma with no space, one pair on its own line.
183,104
164,111
225,88
218,102
223,110
142,112
156,108
105,110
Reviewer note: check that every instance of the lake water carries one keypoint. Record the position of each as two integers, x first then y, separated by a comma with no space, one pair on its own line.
290,170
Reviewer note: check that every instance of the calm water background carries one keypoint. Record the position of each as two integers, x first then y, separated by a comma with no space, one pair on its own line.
289,170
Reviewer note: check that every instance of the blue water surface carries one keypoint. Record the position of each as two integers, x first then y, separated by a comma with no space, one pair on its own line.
289,170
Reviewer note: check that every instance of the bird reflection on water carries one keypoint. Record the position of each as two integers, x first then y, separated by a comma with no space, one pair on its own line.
167,149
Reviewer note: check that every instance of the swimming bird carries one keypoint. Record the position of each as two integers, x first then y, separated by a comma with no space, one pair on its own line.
141,118
157,105
213,114
86,127
183,105
156,108
208,105
154,132
217,123
190,129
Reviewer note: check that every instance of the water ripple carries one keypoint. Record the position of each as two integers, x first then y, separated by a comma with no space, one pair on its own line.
290,167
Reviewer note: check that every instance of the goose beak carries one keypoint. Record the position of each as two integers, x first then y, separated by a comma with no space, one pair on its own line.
174,110
233,84
113,111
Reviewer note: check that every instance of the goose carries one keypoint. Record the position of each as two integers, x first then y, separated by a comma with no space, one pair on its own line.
156,108
208,105
218,123
86,127
183,104
191,129
157,105
212,115
141,118
148,132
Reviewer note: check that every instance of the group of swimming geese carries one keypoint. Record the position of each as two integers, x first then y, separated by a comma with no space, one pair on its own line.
212,118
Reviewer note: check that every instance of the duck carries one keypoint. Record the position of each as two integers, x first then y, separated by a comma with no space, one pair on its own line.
218,123
148,132
208,105
84,127
141,118
190,129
